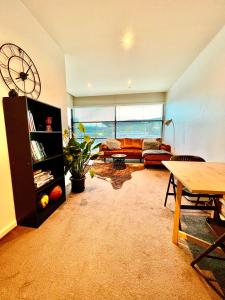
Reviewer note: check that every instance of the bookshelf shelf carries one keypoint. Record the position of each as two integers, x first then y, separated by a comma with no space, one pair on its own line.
48,185
23,116
47,159
45,132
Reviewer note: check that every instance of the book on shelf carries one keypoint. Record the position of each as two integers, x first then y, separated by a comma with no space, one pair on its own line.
222,217
41,174
31,124
37,150
41,149
222,209
35,173
42,177
41,183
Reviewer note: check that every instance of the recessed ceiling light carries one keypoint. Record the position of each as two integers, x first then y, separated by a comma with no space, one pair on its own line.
127,40
129,83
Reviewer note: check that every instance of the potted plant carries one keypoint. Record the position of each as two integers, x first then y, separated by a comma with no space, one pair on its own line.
77,156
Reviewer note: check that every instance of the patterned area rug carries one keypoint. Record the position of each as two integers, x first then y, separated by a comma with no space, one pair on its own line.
117,178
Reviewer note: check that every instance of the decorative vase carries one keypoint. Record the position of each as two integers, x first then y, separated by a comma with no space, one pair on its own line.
48,123
77,184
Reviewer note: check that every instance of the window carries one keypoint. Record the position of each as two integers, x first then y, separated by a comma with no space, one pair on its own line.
139,121
99,121
133,121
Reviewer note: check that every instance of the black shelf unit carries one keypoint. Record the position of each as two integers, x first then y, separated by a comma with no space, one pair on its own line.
26,195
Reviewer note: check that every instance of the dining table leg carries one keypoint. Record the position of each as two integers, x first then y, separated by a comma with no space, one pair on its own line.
177,213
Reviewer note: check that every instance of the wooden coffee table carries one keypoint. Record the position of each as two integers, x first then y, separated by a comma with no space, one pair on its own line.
119,161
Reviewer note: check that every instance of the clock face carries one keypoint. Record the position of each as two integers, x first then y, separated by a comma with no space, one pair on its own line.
18,71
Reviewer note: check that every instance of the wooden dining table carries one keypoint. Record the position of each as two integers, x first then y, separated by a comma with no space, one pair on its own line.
197,177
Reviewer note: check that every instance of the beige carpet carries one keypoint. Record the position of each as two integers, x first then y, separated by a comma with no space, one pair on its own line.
102,244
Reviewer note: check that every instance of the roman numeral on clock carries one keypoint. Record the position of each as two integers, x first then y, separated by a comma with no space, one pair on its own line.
3,52
2,65
11,47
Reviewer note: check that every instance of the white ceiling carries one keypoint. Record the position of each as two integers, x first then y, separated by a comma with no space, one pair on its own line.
168,35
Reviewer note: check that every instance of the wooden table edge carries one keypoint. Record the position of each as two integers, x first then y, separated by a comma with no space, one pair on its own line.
218,192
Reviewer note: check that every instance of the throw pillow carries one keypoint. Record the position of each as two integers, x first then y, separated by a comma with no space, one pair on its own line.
150,144
112,144
159,140
132,143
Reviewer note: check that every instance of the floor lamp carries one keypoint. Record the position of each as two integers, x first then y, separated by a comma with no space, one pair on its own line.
167,123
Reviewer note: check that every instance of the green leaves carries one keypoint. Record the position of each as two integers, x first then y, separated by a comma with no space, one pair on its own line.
78,154
94,156
83,144
69,158
73,142
81,128
92,172
87,138
65,133
96,146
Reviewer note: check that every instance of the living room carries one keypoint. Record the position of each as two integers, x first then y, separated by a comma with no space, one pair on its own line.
128,70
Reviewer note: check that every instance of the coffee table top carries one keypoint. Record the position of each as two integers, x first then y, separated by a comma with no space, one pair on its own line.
119,155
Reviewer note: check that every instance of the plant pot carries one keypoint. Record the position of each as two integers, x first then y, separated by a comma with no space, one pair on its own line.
77,184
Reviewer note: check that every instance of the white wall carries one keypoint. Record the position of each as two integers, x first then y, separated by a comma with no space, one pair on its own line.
120,99
196,103
19,27
70,99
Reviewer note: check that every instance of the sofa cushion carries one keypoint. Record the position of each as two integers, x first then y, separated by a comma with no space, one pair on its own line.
165,147
156,155
103,147
159,140
132,143
121,143
112,144
128,152
150,144
155,152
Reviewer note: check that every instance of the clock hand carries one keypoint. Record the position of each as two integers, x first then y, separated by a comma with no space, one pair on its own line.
23,75
30,79
28,69
14,70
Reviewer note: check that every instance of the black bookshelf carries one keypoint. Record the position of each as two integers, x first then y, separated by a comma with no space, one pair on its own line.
22,162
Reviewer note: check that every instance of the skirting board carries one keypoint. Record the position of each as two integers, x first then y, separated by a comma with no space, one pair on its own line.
7,229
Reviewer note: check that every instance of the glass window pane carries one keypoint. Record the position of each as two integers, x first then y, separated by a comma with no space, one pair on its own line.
101,130
139,112
94,114
142,129
137,121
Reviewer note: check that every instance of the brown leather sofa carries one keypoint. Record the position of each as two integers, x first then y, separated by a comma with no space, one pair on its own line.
133,149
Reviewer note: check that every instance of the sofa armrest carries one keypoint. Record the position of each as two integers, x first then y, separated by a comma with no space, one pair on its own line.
165,147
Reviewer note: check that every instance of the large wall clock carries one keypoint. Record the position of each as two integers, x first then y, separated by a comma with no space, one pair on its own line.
18,71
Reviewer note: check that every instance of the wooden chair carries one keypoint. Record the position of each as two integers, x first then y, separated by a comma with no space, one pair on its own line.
185,192
219,231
